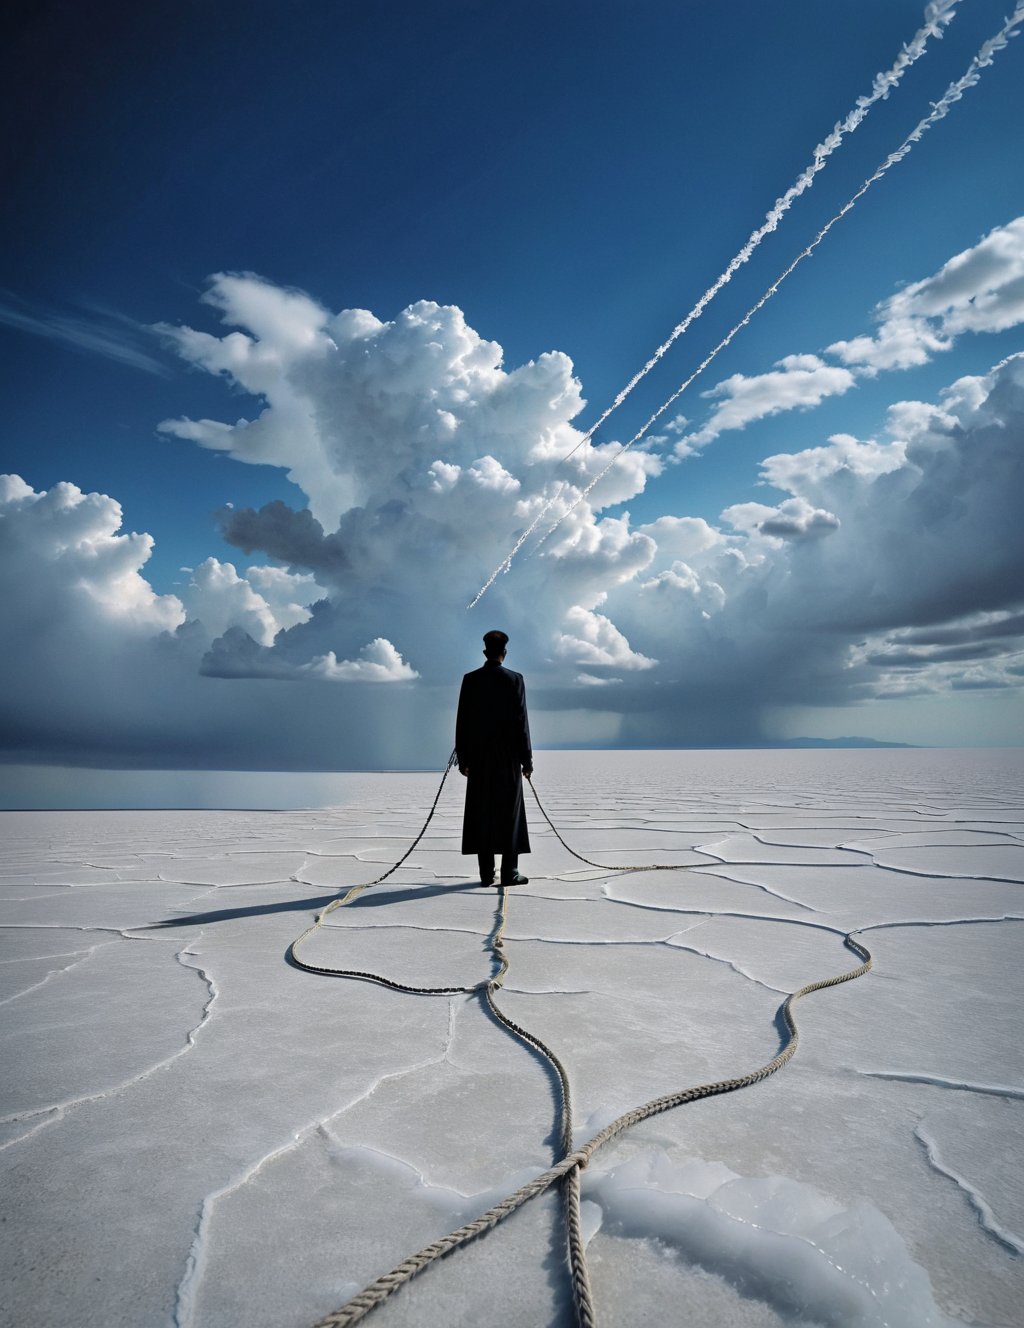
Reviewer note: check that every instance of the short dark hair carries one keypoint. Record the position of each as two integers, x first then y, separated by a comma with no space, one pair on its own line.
494,643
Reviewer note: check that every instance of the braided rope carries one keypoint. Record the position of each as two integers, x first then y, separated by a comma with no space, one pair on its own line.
377,1292
605,866
567,1169
577,1254
579,1272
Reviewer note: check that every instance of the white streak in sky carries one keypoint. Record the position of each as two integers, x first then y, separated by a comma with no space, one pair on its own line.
506,562
939,111
938,15
107,337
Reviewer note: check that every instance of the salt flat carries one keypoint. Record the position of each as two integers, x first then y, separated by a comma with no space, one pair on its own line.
196,1133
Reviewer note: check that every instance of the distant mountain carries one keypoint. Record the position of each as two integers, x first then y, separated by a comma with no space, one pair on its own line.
832,742
772,745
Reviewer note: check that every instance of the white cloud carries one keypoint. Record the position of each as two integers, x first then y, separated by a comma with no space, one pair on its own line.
936,536
975,652
262,602
420,455
793,519
682,537
236,654
797,381
357,409
704,627
680,576
594,640
979,290
972,627
917,534
443,476
378,662
901,343
288,595
100,669
489,473
64,561
592,554
806,471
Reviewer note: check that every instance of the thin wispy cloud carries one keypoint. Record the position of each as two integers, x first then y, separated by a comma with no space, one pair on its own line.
113,336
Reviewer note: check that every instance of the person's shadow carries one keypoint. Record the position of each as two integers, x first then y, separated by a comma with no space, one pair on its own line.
306,905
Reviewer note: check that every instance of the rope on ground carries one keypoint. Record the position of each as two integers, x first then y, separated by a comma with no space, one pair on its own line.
378,1291
349,895
567,1169
607,866
577,1257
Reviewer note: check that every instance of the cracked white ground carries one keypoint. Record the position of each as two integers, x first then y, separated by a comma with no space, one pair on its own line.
194,1133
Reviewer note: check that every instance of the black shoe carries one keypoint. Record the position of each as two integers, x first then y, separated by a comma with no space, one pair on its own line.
517,879
487,880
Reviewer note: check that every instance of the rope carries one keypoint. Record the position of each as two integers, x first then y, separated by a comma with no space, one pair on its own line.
566,1170
378,1291
605,866
577,1256
350,894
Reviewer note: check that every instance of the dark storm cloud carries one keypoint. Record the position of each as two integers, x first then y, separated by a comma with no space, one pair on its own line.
794,528
294,538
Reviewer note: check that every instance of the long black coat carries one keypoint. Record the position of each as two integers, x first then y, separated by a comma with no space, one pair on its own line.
492,741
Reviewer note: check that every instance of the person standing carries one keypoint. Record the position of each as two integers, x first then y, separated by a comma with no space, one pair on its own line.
492,746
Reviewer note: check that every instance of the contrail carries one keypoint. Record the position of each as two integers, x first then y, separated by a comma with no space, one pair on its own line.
939,111
938,15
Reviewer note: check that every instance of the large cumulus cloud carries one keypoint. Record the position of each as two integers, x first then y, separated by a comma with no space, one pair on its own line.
875,568
99,670
978,290
884,554
422,458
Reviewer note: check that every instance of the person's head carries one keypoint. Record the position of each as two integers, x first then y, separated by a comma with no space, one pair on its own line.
494,644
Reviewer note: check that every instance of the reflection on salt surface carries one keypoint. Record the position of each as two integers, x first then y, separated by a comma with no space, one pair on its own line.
775,1239
251,1143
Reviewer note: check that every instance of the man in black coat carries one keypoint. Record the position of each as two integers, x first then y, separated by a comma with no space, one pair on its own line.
492,743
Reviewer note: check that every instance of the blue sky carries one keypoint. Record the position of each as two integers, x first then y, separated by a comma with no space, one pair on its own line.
571,176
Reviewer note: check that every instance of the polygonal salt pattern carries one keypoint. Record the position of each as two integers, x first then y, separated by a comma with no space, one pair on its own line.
195,1132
